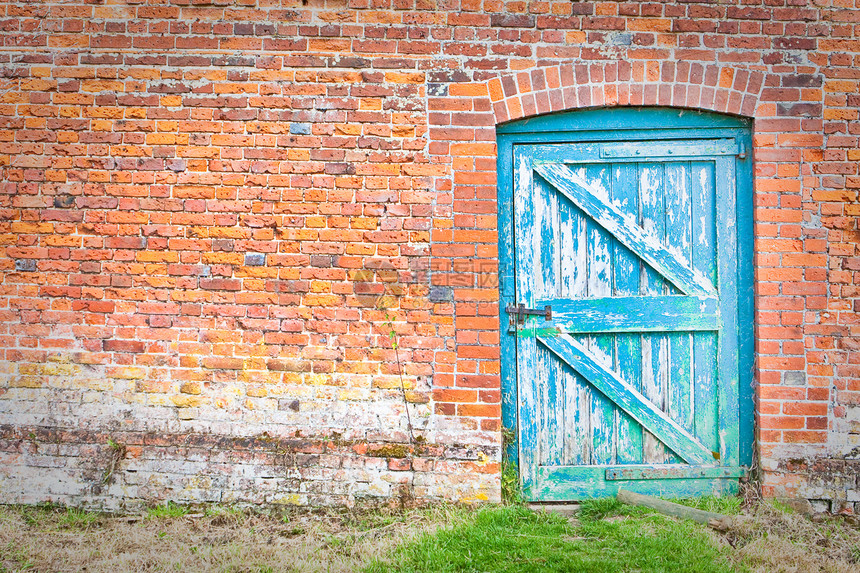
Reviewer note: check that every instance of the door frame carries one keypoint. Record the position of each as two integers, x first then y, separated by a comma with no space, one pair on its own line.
647,123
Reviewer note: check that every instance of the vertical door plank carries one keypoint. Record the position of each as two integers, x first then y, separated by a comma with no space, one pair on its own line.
507,289
547,286
679,239
628,347
704,343
727,256
655,353
572,237
527,263
600,285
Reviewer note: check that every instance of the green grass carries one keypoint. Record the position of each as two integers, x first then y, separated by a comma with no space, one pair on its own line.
13,559
169,509
225,511
511,491
607,536
63,517
724,505
75,518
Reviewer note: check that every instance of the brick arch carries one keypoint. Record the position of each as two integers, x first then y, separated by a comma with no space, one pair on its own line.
464,255
680,84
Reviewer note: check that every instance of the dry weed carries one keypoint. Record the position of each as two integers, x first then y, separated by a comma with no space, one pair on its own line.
769,540
229,541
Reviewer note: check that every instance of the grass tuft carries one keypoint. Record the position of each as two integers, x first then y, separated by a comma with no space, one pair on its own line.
599,508
168,510
512,493
75,518
725,505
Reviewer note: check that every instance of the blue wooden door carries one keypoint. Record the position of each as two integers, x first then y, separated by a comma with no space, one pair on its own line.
626,255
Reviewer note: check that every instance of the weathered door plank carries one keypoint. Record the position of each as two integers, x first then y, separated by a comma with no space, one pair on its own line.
599,286
572,241
654,347
728,285
679,234
529,394
628,347
705,343
546,285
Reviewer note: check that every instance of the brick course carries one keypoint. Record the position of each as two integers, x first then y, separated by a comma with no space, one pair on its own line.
213,214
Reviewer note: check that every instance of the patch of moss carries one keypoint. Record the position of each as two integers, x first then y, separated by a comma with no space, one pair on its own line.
389,451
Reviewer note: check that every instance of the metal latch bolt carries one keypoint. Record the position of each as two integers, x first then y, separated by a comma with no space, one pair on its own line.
519,312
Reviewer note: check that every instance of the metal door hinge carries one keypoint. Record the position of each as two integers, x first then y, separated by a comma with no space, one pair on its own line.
742,153
519,312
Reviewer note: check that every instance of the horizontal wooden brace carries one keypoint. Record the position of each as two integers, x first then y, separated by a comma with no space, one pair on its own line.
672,472
564,483
634,314
642,149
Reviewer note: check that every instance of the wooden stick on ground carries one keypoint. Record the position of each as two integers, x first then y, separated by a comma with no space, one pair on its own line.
715,520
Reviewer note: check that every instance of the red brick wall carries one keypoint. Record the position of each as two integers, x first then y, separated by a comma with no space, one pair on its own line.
213,214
